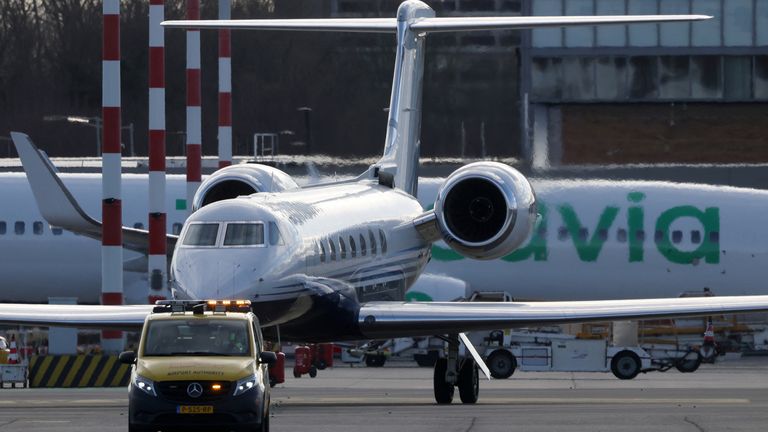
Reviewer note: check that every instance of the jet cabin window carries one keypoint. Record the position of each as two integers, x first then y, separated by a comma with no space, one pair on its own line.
3,228
244,234
203,234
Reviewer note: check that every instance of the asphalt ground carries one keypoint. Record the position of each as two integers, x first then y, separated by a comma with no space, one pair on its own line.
730,396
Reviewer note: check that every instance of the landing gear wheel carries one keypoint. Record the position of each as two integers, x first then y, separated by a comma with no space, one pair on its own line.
626,365
312,372
689,363
443,390
469,382
502,364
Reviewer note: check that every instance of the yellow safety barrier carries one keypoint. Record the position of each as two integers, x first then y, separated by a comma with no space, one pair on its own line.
78,371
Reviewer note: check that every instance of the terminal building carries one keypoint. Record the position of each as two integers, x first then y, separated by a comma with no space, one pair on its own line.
672,93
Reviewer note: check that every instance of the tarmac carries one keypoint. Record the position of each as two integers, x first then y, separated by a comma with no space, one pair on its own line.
728,396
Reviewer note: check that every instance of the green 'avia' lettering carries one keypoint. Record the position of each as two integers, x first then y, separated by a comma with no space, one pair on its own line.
589,242
588,250
709,249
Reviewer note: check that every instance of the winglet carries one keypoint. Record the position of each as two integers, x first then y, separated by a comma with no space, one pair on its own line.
56,203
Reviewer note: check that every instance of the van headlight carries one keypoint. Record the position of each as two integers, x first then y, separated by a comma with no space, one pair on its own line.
244,385
144,384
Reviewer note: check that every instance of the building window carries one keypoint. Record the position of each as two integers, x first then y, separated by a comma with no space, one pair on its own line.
18,228
738,18
37,228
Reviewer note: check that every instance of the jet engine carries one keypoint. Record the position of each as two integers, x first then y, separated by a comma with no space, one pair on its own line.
241,179
485,210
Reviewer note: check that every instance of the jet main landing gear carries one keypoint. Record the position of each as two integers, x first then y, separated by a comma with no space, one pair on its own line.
452,371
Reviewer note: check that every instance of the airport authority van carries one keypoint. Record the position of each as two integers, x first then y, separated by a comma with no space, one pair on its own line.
199,364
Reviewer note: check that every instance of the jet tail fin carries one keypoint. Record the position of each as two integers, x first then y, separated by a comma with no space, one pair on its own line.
60,208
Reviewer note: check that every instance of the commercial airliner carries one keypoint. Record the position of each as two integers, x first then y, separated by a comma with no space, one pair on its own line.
333,261
584,226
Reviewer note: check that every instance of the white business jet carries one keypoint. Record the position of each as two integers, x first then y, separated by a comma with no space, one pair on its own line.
333,262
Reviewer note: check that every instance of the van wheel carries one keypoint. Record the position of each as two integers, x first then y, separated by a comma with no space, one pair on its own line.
626,365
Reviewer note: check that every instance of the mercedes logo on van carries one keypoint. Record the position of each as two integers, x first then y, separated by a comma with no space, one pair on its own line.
195,390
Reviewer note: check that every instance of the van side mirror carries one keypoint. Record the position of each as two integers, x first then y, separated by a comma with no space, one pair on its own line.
268,357
127,357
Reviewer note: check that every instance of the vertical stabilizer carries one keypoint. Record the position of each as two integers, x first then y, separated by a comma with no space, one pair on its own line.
401,150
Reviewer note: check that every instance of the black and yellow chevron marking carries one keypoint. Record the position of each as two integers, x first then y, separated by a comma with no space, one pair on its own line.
78,371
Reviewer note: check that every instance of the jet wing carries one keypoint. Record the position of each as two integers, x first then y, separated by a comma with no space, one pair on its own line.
126,317
60,208
384,320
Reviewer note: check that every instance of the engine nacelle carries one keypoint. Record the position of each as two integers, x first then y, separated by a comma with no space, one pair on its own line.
242,179
485,210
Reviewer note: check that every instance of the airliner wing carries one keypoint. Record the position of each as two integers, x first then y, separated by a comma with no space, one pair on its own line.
383,320
60,208
79,316
426,25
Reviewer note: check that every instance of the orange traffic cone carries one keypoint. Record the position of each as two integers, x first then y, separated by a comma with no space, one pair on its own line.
13,356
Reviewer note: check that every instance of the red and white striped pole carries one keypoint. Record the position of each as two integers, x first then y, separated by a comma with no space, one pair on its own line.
194,113
111,208
157,226
225,89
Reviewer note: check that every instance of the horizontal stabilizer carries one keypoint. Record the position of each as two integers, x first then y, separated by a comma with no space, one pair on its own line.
60,208
425,25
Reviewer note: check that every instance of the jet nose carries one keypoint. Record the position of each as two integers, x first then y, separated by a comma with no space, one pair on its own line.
218,274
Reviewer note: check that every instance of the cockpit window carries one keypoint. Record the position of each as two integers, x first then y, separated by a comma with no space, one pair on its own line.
203,234
244,234
275,239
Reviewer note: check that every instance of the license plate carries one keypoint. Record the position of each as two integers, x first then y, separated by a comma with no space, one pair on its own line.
195,409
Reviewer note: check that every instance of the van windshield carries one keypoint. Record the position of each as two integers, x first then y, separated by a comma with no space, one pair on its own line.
207,337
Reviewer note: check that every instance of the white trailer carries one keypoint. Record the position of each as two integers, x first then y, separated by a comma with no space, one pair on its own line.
547,352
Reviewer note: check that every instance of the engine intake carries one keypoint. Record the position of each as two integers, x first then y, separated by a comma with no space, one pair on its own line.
243,179
485,210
